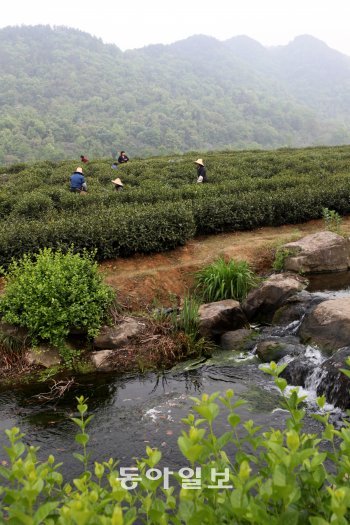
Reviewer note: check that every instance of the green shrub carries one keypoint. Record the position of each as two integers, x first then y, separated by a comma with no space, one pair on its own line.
280,256
332,220
32,205
52,292
247,476
225,280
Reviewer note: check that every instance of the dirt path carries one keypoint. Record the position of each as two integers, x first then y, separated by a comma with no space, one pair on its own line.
162,279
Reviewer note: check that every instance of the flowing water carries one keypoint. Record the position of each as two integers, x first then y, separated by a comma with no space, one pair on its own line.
132,412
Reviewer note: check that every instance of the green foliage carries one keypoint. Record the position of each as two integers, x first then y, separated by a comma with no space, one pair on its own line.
33,205
188,318
225,280
188,322
69,356
280,256
332,220
240,105
268,476
52,292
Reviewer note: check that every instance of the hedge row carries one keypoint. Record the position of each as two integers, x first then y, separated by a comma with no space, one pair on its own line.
258,209
49,200
116,232
125,230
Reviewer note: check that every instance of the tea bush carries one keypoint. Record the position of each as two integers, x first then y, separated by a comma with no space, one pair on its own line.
52,292
33,205
246,475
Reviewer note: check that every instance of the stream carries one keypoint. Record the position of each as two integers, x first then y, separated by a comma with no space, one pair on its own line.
135,411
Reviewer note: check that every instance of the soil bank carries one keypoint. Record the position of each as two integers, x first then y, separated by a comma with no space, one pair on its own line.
162,279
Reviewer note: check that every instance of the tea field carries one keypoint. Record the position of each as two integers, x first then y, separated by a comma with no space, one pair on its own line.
162,206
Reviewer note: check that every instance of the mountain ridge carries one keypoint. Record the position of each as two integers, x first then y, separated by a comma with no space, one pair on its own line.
65,92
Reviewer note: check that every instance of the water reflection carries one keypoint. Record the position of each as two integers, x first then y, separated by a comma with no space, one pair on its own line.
131,413
329,281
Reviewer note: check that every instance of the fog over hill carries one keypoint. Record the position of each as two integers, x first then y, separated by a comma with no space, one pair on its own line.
64,92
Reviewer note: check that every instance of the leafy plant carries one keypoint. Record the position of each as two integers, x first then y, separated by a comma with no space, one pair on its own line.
225,280
33,205
188,318
69,355
52,292
281,255
332,220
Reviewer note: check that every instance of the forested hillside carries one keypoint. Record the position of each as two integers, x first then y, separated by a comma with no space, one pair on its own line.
64,93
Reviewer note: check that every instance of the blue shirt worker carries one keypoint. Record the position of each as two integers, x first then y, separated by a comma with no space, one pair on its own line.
77,181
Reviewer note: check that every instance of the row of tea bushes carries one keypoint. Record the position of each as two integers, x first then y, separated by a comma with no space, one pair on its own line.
253,210
127,229
48,199
121,231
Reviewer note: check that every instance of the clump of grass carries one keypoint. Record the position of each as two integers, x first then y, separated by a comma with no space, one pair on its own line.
225,280
188,318
13,342
187,322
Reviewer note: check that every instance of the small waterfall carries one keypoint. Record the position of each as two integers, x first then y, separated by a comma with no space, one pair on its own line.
317,375
313,381
290,329
314,355
293,327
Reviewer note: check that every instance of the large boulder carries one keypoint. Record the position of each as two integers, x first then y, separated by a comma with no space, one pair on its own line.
333,383
296,307
46,356
275,348
261,303
114,337
320,252
103,360
219,317
240,340
328,324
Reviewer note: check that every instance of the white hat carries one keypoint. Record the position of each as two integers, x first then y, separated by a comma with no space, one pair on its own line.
79,170
118,182
199,161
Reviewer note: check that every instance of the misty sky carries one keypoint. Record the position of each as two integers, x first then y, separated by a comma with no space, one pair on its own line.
136,23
